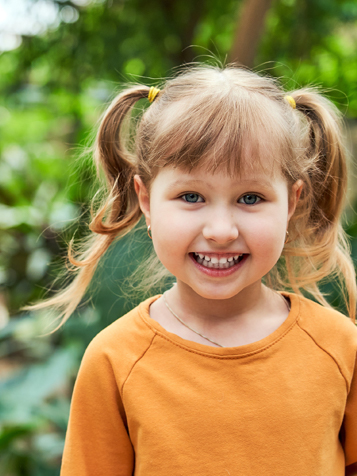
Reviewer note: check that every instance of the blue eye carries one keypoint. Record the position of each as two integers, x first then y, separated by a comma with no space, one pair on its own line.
249,199
192,198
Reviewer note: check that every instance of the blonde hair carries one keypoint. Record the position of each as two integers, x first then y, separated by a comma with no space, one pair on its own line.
219,117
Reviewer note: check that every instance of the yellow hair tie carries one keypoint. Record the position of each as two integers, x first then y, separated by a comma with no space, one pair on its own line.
153,93
291,101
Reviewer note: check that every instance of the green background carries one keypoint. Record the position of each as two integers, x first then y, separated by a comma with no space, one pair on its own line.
53,89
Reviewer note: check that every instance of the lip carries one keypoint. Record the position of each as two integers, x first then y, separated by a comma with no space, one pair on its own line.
219,254
219,273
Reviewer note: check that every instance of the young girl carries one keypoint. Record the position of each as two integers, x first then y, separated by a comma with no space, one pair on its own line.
242,189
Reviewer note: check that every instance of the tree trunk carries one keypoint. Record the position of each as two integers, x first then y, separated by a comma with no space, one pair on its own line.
248,33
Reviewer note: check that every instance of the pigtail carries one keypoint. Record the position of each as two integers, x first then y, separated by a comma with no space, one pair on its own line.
119,166
320,247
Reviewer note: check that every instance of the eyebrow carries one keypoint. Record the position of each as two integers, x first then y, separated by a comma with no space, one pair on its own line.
257,181
263,182
188,181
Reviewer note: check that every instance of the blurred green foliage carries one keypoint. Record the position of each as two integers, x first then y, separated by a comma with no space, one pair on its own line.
316,41
52,92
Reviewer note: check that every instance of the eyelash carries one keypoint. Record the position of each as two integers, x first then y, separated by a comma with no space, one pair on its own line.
250,195
246,195
191,193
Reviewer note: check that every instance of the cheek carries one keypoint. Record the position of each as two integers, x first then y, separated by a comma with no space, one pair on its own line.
267,236
172,227
173,232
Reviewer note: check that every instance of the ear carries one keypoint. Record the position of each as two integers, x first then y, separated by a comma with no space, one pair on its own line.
295,193
143,197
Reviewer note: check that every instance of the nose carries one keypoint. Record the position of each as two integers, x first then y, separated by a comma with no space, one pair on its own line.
221,227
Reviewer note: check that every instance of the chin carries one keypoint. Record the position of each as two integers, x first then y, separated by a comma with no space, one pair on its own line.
215,293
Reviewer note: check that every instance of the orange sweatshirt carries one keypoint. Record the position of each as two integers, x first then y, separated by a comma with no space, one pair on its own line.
149,403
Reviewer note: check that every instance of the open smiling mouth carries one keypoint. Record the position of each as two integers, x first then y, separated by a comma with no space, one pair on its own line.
217,263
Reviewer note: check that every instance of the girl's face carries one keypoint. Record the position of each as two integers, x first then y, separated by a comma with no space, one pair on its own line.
215,233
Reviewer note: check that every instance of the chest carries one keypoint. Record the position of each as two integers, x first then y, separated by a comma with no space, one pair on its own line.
244,398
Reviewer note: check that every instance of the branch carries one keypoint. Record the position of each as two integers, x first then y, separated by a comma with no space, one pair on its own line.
249,31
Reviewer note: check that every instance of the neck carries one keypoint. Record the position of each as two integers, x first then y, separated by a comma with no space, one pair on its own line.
197,309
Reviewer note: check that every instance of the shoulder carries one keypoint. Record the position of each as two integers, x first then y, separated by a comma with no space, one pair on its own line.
129,329
120,345
332,331
323,321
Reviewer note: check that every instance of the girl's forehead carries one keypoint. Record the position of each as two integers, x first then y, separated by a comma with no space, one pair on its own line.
248,165
252,173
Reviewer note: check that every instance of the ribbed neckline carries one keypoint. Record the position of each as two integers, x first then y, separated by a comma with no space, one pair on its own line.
240,351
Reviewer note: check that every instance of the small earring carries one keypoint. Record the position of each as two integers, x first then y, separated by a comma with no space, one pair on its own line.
149,230
287,237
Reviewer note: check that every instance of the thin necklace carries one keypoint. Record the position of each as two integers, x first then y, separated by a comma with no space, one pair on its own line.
186,325
198,333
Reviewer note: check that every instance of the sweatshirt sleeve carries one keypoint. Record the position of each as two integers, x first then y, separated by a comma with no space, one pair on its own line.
97,441
349,429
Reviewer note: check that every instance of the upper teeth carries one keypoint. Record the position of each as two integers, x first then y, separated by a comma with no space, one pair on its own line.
214,260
